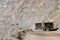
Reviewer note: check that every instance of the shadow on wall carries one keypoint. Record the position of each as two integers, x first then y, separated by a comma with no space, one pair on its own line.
47,26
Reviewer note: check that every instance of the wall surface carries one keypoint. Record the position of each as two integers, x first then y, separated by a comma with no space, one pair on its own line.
15,14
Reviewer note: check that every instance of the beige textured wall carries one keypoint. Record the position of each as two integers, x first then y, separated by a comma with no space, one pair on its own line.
27,13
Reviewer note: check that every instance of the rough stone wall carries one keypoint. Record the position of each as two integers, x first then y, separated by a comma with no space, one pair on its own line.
15,14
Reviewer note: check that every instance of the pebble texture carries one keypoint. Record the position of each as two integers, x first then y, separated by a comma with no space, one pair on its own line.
15,14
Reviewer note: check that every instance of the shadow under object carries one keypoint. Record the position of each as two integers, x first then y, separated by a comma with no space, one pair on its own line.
48,26
38,26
